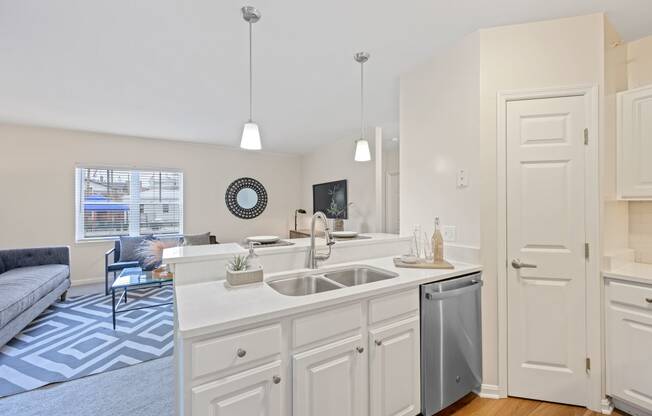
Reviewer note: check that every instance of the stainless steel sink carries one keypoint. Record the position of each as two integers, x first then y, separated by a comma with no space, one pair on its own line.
302,285
359,275
323,281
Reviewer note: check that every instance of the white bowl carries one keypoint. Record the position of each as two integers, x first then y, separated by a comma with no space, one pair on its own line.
264,239
344,234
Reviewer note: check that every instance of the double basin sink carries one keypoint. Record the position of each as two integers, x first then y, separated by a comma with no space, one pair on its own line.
318,282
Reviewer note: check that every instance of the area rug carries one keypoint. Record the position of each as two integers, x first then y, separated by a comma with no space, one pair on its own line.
75,338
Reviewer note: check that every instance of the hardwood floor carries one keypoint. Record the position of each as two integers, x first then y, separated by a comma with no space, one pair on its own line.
473,405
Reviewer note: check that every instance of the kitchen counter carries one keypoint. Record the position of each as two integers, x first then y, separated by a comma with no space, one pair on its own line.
634,272
207,307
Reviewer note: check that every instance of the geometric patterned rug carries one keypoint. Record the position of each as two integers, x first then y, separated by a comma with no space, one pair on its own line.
75,339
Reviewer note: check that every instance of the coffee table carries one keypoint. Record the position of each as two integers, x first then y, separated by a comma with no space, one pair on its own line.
133,278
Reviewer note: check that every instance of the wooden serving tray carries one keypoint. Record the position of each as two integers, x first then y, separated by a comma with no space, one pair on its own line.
440,265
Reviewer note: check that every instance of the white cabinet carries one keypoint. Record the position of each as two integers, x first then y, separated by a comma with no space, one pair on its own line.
635,144
629,343
330,380
394,369
255,392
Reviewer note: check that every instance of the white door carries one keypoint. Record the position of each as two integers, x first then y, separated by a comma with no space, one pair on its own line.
256,392
545,228
330,380
392,202
394,369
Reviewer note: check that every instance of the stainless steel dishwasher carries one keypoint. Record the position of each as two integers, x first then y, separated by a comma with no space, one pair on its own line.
451,341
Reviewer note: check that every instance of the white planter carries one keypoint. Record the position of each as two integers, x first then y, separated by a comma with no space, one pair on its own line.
244,277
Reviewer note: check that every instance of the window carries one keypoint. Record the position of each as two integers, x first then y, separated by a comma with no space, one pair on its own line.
117,202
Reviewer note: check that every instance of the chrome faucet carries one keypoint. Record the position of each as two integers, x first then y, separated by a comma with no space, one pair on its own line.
313,256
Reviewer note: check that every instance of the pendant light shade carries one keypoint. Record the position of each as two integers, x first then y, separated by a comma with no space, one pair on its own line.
362,153
250,132
250,137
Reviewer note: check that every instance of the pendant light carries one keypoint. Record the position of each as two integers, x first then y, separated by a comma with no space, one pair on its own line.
362,153
250,133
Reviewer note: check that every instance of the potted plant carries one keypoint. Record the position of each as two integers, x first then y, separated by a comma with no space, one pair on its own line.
237,272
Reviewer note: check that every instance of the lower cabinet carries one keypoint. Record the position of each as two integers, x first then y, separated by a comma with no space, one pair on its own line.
329,380
629,344
256,392
394,384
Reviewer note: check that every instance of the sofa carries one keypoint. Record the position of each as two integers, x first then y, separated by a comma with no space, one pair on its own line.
31,280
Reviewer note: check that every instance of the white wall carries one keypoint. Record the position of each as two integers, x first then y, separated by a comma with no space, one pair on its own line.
439,119
334,161
38,188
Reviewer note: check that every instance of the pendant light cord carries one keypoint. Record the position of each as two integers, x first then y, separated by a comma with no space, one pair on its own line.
251,70
362,100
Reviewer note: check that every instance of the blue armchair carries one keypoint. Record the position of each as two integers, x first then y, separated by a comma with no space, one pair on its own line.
114,266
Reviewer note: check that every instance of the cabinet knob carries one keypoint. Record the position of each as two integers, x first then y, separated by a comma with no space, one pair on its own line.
648,300
276,379
378,342
241,353
359,349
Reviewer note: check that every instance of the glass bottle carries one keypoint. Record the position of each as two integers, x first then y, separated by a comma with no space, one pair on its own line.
415,246
437,243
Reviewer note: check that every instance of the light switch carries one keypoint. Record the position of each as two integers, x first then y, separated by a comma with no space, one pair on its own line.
449,232
462,178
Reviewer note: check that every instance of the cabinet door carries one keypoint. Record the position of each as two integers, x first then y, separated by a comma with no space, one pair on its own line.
635,144
629,354
330,380
256,392
394,369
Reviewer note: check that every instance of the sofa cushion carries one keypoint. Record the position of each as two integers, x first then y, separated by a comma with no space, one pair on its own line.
197,239
22,287
129,247
2,266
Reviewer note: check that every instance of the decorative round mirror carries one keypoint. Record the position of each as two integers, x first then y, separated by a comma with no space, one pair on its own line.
246,198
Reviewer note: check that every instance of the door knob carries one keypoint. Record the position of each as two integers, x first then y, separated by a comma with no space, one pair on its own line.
241,353
359,349
648,300
516,263
378,342
276,379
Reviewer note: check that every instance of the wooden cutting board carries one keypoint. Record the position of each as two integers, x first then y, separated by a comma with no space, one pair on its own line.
441,265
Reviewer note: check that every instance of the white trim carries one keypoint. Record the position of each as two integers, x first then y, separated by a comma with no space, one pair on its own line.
606,406
379,181
592,215
489,391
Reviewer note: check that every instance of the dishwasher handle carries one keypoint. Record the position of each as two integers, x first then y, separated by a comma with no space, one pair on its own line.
455,292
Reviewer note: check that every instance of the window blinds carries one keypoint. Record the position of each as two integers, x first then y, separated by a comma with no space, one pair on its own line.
117,202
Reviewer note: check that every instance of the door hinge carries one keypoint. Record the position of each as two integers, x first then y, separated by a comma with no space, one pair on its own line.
588,364
586,136
586,251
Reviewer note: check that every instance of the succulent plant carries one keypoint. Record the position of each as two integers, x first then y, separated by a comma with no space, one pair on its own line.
238,264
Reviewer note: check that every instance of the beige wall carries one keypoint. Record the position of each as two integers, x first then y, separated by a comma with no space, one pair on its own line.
639,74
440,122
38,187
564,52
334,161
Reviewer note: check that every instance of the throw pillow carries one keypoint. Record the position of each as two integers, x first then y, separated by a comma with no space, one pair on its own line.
129,247
197,239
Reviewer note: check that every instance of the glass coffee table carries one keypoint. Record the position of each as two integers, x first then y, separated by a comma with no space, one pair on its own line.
133,278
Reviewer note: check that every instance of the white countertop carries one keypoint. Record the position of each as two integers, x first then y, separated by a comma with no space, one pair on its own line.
636,272
186,254
214,306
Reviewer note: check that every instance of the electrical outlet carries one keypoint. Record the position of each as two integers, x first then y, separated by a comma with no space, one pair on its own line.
449,232
462,178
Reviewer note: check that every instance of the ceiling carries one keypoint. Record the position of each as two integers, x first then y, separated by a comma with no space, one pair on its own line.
178,69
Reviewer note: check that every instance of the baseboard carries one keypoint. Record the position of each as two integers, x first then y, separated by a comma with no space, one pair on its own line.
606,406
90,281
629,408
489,391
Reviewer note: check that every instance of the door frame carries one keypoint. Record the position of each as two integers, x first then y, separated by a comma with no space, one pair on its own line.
594,310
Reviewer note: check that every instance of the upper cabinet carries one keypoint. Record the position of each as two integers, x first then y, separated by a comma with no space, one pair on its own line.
635,144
